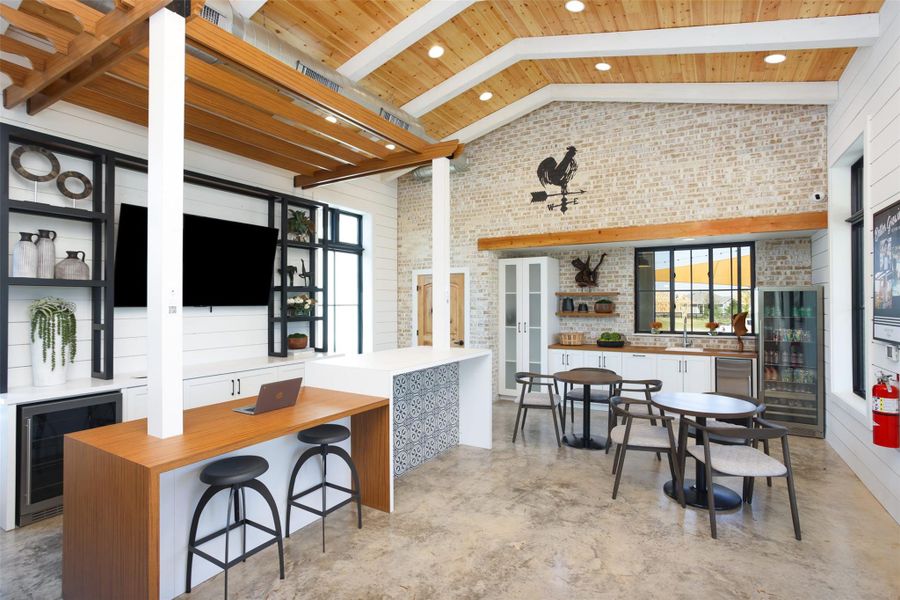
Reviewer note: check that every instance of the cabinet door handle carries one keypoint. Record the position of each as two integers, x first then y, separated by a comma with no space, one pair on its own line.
232,387
685,365
239,386
518,327
525,326
28,465
679,366
639,355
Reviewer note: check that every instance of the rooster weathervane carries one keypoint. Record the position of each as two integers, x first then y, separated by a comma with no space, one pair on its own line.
559,174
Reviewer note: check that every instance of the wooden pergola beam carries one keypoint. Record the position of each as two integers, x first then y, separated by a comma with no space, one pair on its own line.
806,221
449,149
112,26
240,52
59,37
87,16
92,68
37,56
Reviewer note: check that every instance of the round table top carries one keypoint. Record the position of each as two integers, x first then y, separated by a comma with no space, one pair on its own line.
704,405
587,377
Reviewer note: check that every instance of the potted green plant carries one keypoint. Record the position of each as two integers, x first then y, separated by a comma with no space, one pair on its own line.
297,341
604,305
611,339
53,340
301,305
301,228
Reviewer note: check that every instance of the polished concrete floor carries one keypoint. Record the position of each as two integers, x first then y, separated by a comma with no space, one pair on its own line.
533,521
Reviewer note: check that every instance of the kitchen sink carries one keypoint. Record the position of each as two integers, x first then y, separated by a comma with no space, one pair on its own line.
683,349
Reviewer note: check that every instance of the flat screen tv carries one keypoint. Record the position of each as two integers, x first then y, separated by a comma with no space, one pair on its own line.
225,263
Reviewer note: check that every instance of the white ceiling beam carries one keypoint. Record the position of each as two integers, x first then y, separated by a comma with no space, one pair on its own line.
793,34
403,35
819,92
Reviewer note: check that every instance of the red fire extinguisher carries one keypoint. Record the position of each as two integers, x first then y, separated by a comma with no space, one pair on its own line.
886,413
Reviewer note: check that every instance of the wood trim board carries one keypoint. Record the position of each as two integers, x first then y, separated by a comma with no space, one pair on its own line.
804,221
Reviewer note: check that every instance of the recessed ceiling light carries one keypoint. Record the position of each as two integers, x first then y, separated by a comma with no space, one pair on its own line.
601,66
436,51
774,59
575,6
331,119
485,96
687,239
390,146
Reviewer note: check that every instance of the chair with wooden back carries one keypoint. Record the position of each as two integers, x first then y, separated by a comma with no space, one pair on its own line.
541,400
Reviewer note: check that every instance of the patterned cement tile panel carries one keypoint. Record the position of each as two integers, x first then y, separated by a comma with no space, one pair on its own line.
426,415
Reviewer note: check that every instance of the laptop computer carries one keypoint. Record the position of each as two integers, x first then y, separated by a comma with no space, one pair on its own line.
273,396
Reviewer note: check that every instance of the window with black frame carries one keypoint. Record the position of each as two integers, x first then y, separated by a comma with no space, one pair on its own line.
857,271
683,288
345,251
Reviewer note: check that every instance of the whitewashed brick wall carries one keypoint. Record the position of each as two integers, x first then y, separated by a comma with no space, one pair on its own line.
639,164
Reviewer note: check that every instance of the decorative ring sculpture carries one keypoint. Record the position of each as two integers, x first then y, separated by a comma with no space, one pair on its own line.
64,177
16,161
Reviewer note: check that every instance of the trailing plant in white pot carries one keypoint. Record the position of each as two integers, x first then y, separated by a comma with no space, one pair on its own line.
53,346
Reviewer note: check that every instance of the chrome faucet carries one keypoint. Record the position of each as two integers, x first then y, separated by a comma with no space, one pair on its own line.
685,343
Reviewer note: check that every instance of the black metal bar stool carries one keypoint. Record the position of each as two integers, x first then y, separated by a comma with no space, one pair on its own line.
323,436
233,474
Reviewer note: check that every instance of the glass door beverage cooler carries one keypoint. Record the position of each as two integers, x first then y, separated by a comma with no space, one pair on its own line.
791,357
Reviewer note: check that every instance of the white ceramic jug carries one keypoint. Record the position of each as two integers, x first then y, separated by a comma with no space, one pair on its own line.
25,255
46,253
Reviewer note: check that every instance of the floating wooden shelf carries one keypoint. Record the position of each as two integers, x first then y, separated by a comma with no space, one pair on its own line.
586,314
585,294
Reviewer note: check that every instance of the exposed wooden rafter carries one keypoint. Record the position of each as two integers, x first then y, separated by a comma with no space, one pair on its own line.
223,44
806,221
245,103
449,149
81,48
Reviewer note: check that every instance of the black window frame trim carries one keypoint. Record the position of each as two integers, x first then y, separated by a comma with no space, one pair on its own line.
671,250
857,277
334,245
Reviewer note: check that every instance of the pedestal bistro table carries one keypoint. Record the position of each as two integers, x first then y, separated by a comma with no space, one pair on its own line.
587,378
701,407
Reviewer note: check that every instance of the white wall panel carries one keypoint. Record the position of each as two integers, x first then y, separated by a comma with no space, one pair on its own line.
225,333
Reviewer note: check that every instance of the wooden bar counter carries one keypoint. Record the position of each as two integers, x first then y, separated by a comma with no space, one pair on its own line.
111,530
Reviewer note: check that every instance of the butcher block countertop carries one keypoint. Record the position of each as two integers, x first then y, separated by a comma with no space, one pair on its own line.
632,348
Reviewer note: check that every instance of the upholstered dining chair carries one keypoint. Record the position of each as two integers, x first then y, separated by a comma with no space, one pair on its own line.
575,393
643,429
744,460
542,400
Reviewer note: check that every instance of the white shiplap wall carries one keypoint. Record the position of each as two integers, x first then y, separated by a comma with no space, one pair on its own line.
225,333
867,109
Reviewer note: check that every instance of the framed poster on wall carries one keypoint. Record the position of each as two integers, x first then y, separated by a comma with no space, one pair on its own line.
886,253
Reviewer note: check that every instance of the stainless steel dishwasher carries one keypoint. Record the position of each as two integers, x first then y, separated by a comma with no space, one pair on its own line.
734,376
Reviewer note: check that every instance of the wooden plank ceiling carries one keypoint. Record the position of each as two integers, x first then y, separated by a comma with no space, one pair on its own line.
329,35
244,102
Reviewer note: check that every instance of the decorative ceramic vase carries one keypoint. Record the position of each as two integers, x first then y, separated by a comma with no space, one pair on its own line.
582,307
568,305
43,373
297,343
73,266
25,256
46,253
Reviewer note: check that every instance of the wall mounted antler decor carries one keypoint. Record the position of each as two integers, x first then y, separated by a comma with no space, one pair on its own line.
587,277
560,174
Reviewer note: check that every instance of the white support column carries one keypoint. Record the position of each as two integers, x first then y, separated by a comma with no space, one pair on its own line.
440,252
165,200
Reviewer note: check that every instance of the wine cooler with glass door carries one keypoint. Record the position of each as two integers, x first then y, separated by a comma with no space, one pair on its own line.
791,357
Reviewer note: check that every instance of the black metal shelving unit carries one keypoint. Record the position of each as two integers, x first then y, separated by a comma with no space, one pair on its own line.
316,258
100,217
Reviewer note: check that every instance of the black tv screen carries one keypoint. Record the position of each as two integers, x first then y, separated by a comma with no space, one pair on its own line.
225,263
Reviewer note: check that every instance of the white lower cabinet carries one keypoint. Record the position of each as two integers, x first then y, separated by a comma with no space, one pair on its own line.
637,365
564,360
134,403
204,391
669,370
698,374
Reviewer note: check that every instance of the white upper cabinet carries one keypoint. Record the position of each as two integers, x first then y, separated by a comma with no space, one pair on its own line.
528,323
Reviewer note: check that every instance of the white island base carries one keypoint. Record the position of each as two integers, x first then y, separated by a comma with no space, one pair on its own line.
438,398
